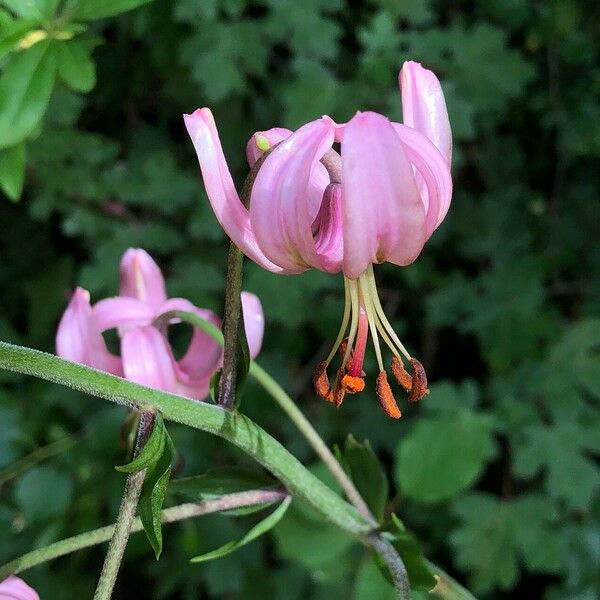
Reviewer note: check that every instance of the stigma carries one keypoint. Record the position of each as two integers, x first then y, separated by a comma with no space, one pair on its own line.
364,316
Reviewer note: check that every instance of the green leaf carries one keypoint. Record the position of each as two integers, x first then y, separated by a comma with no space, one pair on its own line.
444,455
153,495
151,452
35,9
371,584
368,475
493,535
100,9
75,65
25,87
419,572
12,171
258,530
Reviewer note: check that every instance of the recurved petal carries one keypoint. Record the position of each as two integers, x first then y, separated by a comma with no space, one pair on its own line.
254,322
424,106
224,199
286,196
141,278
122,311
203,356
433,174
79,338
147,359
261,141
383,216
14,588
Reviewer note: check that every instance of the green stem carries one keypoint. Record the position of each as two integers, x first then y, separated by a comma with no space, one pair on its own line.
234,427
38,455
387,553
127,510
168,515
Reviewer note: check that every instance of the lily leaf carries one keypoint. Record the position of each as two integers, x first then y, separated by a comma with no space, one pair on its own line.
151,452
258,530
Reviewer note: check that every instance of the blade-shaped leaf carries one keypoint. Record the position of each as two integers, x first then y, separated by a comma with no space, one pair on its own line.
419,572
153,495
151,452
25,88
12,171
254,533
100,9
13,32
75,65
368,475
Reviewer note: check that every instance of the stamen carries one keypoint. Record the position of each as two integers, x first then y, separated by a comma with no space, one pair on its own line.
419,386
372,324
401,374
381,314
386,397
321,382
345,318
353,384
353,288
339,391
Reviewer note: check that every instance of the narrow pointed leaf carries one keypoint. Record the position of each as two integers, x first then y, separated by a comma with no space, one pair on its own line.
153,495
258,530
152,450
12,171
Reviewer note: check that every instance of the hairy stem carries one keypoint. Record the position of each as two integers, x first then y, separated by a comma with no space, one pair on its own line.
125,518
387,553
168,515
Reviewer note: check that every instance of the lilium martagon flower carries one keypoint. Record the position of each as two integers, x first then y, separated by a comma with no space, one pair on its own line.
378,200
146,356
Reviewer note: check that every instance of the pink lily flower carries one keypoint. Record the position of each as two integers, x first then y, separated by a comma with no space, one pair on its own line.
146,355
379,200
14,588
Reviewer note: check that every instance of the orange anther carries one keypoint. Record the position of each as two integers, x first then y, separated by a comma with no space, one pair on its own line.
386,397
401,374
419,385
339,391
321,382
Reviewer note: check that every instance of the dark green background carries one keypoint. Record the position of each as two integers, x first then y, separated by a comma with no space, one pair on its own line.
496,471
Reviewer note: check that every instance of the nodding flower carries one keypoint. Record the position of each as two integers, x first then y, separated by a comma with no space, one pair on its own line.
146,355
378,200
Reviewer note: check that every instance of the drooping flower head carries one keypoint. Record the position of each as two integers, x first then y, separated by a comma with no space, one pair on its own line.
378,200
14,588
146,355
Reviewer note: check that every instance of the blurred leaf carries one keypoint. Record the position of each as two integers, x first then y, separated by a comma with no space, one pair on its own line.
494,534
90,10
153,495
43,493
220,481
370,584
25,87
368,475
13,32
258,530
151,452
444,455
75,65
12,171
34,9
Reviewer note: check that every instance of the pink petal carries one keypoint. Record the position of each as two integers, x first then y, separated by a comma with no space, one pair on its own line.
286,197
328,228
123,312
79,338
203,356
224,199
254,322
141,278
433,174
384,218
14,588
255,147
424,107
147,359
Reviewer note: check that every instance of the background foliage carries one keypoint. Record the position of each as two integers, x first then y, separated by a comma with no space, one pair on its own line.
495,470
